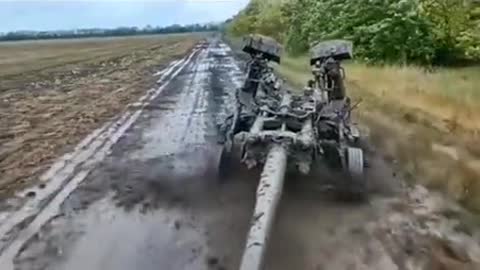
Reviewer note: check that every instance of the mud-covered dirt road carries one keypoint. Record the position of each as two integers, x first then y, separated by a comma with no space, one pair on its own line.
141,193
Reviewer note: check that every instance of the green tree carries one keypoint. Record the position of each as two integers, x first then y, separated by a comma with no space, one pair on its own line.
450,27
383,31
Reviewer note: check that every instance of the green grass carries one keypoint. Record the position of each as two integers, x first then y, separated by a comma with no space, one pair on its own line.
444,93
428,121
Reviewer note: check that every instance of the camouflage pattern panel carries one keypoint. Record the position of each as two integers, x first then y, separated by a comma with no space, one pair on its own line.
338,49
270,48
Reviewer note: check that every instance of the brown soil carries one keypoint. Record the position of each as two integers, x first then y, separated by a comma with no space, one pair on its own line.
48,104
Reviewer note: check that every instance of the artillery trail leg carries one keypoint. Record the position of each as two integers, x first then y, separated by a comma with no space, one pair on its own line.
269,192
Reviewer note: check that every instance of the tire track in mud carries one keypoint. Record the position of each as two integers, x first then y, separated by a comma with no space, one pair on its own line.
158,178
71,169
154,203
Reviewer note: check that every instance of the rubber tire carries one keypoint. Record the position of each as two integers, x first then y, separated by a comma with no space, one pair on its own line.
357,186
354,157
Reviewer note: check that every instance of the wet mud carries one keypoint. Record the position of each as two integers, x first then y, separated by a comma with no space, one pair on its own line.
154,200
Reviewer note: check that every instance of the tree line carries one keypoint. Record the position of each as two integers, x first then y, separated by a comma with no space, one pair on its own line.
96,32
383,31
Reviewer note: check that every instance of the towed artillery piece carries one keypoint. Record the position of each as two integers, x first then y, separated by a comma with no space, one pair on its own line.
315,126
280,130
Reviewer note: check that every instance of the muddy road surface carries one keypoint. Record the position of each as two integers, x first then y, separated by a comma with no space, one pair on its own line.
142,193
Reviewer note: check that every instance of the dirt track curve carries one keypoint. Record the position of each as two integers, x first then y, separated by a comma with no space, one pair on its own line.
141,193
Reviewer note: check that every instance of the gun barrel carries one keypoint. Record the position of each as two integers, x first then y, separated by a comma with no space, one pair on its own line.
269,191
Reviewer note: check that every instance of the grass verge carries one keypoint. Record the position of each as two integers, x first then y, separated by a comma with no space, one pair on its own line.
426,121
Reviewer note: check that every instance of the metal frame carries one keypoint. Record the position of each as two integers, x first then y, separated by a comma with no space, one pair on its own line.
273,128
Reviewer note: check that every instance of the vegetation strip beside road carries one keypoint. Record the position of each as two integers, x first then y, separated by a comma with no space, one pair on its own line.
430,136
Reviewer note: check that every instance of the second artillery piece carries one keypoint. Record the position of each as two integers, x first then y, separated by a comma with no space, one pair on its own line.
273,127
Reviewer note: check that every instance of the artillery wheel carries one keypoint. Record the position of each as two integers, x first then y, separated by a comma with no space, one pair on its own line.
354,158
355,184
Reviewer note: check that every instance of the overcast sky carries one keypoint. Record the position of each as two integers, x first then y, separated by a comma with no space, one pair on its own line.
71,14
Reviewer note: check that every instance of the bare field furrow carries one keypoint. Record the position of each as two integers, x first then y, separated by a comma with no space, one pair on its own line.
54,94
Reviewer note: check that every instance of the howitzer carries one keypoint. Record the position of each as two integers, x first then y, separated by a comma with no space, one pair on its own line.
281,131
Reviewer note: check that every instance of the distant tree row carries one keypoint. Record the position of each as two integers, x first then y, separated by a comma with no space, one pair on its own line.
383,31
96,32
